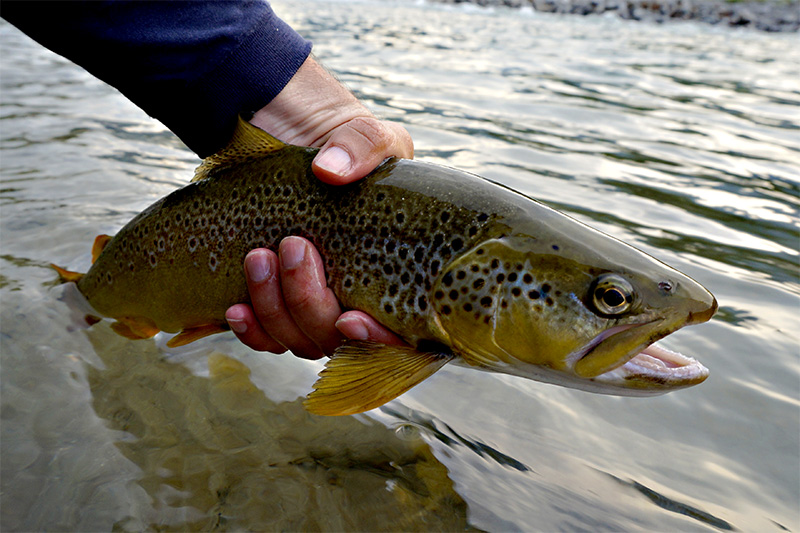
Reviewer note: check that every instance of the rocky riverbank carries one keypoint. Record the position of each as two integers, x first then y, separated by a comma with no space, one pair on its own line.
765,16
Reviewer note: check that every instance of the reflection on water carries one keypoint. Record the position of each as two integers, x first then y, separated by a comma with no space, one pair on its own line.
680,139
216,453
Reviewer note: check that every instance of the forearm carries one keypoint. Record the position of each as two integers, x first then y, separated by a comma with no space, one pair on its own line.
195,66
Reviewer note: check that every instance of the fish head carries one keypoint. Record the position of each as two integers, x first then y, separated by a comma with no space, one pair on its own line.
576,316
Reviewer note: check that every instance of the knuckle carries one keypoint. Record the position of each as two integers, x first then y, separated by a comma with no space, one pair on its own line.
373,131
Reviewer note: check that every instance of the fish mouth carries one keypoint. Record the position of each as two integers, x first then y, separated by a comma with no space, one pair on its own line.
648,369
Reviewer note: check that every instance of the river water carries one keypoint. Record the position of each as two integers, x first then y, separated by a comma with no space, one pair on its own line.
681,139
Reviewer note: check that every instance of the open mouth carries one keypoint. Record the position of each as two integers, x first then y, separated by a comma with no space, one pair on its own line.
652,370
658,365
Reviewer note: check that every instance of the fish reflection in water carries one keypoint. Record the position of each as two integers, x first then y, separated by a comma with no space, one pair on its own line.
222,455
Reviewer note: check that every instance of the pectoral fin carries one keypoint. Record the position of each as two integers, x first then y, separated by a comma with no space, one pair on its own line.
192,334
364,375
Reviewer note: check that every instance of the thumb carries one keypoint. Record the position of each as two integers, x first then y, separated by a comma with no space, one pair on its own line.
359,145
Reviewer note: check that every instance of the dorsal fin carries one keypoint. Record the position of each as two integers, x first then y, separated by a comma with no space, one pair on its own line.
248,142
100,243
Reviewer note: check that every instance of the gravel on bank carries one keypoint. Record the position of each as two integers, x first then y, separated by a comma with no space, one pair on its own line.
765,16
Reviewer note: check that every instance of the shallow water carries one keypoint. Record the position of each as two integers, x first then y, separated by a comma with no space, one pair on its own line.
683,140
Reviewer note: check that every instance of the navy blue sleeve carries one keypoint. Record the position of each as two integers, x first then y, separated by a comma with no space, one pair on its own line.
193,65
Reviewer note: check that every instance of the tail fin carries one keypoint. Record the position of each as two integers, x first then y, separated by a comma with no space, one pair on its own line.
67,275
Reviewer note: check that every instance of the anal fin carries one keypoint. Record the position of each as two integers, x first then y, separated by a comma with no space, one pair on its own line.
192,334
363,375
66,275
135,327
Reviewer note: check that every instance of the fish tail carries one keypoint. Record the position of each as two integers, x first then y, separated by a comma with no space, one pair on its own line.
66,275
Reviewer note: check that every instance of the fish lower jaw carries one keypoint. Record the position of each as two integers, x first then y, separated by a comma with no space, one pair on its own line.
655,370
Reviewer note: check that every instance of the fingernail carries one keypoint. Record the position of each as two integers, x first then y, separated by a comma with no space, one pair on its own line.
257,266
292,252
352,328
334,160
236,320
238,326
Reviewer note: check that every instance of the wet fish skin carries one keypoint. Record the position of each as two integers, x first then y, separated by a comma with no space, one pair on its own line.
459,267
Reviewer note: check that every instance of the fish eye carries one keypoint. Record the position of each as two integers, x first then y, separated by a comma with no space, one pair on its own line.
612,295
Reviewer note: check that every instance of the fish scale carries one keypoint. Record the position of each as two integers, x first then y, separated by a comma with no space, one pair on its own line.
457,266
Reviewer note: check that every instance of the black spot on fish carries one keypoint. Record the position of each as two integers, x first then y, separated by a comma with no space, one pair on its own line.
403,253
380,196
479,251
483,217
453,295
438,239
486,319
405,278
457,244
447,279
368,243
546,287
468,307
512,277
435,267
486,301
534,295
516,291
393,288
461,274
527,279
422,302
366,281
446,309
388,308
495,263
549,301
419,254
348,283
473,230
474,268
444,217
438,295
390,247
500,277
478,284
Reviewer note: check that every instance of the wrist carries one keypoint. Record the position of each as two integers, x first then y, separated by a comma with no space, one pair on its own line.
309,107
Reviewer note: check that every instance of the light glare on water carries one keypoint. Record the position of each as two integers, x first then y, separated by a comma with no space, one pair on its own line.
682,140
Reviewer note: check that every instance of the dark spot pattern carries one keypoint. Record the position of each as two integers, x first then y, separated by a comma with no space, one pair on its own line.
383,247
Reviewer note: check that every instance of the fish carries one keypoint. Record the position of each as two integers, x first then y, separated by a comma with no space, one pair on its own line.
463,269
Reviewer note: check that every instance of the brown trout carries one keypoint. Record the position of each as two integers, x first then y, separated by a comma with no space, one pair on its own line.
461,268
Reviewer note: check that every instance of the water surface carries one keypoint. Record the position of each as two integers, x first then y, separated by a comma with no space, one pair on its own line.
682,139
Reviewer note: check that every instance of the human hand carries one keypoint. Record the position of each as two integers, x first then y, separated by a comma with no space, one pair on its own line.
292,308
314,109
